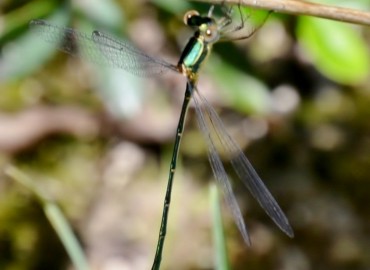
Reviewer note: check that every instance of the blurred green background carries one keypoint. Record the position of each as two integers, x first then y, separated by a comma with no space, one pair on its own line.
97,142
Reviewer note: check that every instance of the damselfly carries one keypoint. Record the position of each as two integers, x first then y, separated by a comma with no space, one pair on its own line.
104,49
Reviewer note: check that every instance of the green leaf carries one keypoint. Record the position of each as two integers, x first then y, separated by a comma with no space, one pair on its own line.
336,49
245,93
27,52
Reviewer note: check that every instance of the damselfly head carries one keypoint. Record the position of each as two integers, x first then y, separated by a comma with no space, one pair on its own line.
206,26
193,19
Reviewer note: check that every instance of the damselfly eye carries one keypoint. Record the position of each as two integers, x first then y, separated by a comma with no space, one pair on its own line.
210,33
188,17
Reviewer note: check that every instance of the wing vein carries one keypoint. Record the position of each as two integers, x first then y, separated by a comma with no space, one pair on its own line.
246,172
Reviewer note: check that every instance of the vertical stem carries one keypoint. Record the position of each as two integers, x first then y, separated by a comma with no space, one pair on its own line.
167,199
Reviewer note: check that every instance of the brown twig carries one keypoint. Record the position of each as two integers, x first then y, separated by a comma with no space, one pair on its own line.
21,130
296,7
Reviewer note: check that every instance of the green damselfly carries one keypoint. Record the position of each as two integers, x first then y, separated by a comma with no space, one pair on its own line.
109,51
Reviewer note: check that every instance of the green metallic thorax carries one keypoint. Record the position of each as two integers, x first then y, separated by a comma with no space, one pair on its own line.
193,56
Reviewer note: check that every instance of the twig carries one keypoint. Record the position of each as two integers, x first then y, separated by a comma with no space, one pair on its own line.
19,131
297,7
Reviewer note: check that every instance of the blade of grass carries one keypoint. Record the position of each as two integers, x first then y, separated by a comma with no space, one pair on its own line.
55,217
221,259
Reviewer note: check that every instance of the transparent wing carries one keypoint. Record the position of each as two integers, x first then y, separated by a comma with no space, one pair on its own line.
218,168
101,49
242,166
122,55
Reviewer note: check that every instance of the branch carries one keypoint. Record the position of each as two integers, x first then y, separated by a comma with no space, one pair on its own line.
21,130
297,7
